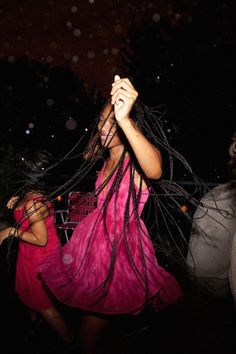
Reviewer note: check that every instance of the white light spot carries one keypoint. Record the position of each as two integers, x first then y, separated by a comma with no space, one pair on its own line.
50,102
91,1
74,9
75,59
31,125
69,24
71,124
156,17
86,129
27,131
77,32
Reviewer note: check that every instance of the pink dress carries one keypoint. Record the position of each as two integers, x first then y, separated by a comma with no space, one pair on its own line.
87,273
28,283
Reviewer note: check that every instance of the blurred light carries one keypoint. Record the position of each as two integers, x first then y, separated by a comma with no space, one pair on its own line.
71,124
68,24
156,17
59,198
77,32
74,9
184,208
50,101
11,59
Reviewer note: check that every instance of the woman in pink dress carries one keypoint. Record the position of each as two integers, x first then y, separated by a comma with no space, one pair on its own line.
109,265
35,230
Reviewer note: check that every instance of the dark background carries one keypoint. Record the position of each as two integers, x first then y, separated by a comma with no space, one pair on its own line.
58,59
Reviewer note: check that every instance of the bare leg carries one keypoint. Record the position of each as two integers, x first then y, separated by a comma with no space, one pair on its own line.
91,330
53,317
35,322
33,315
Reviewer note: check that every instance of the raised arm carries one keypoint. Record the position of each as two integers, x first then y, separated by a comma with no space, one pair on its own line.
123,96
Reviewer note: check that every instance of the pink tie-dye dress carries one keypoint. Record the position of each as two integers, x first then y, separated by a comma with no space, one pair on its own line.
106,268
28,283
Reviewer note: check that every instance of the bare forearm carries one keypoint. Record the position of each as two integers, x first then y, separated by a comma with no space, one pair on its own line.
26,236
30,238
148,156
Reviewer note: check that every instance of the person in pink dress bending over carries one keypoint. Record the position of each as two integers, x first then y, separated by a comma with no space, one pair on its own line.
109,267
35,230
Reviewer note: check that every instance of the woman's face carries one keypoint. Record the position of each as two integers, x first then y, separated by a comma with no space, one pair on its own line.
107,128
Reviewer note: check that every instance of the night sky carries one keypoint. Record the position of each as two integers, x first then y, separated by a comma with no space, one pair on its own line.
86,34
194,78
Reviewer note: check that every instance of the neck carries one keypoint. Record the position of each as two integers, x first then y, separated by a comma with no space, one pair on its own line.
115,153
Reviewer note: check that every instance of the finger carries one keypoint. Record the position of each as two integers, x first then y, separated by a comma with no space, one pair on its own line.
122,94
122,84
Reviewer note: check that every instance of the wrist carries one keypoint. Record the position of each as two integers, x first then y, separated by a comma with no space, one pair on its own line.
13,231
126,121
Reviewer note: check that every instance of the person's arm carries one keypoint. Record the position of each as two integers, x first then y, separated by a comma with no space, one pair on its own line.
5,233
11,202
36,213
232,271
123,96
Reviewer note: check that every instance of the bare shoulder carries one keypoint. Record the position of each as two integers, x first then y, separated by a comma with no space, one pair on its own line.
36,204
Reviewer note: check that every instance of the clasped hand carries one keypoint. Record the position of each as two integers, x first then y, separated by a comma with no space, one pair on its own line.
123,97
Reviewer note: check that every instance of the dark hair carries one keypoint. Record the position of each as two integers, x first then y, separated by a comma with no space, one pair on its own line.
32,171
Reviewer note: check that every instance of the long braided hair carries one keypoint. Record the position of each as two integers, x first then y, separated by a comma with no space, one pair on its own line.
163,215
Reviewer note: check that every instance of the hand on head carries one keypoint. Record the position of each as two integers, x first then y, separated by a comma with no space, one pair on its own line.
123,97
